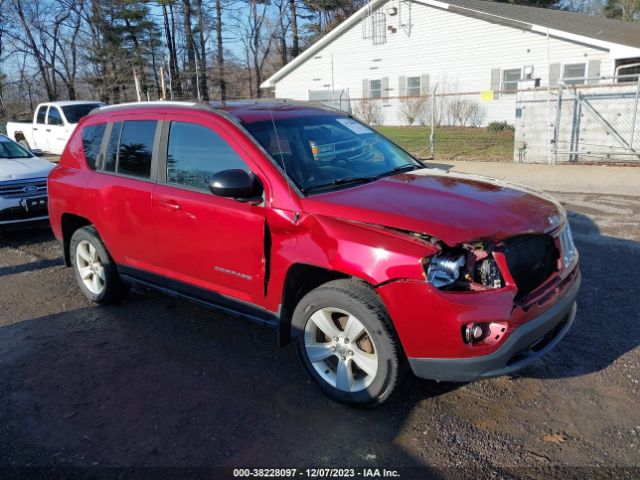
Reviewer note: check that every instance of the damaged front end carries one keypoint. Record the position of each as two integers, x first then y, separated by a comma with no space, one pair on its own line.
479,294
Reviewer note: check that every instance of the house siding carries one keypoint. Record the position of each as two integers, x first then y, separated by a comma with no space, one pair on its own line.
459,53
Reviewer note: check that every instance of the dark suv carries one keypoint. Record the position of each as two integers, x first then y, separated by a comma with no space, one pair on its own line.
304,219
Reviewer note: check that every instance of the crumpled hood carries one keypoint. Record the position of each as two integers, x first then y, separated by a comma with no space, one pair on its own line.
24,168
452,207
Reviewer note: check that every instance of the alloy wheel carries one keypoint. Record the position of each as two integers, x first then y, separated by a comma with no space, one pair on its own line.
90,267
340,349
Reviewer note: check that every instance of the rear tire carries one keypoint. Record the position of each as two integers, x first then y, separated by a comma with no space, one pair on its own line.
94,268
346,342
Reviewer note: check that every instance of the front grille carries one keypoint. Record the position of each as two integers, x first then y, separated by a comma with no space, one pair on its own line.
531,259
24,188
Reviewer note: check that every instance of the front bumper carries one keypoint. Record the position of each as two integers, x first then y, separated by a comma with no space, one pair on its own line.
525,345
13,211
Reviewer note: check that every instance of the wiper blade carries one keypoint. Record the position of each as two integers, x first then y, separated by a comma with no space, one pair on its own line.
402,168
340,181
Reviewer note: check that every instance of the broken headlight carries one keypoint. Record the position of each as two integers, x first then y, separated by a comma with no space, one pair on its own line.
470,267
487,273
444,269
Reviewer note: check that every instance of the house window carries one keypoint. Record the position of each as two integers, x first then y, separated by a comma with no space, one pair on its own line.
574,73
510,79
375,88
628,73
414,86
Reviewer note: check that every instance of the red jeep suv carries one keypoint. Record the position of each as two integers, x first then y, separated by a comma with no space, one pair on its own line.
303,219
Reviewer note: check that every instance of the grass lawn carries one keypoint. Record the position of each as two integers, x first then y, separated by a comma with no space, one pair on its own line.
454,143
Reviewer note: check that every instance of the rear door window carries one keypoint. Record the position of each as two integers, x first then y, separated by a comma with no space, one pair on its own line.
196,153
91,143
136,147
130,148
54,117
42,114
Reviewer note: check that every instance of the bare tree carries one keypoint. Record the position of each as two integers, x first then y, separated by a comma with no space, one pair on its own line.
36,43
220,52
202,59
169,31
191,51
260,33
295,38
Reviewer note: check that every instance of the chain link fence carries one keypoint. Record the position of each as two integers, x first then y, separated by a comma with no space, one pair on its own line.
590,120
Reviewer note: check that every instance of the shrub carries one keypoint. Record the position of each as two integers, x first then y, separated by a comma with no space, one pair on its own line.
413,109
368,111
495,127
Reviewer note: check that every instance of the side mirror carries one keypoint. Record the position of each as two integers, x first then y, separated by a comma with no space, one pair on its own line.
237,184
37,152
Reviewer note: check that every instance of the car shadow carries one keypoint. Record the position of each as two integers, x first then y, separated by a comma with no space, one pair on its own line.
606,325
31,266
24,235
160,382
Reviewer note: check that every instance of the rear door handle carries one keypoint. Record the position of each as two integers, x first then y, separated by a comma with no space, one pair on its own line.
48,130
170,204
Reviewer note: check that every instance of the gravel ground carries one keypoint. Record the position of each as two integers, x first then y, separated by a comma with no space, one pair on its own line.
160,382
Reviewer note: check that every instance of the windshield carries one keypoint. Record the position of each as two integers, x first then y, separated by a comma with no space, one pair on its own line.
75,112
10,149
320,153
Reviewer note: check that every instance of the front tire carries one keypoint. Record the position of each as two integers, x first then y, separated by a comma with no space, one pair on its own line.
345,341
94,268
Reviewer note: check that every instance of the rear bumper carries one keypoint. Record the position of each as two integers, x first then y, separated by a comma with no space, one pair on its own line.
524,346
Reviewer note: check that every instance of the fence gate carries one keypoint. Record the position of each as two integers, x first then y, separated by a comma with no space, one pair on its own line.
597,123
590,122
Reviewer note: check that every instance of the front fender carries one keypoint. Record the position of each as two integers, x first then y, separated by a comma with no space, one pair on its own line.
372,253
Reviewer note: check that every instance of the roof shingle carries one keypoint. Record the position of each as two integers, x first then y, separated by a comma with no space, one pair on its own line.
596,27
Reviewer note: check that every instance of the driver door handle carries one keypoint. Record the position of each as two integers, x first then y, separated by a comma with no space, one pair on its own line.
170,204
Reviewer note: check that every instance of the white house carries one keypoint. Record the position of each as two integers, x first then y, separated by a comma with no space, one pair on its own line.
393,49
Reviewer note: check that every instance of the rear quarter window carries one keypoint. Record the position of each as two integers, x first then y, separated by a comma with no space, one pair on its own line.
111,155
92,142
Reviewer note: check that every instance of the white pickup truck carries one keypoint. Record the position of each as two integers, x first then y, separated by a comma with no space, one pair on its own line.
52,125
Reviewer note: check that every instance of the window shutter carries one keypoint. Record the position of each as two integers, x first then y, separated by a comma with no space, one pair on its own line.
554,74
425,88
495,79
365,88
593,71
402,86
385,87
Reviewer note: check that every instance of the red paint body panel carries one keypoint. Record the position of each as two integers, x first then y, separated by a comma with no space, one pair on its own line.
362,231
429,322
450,208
